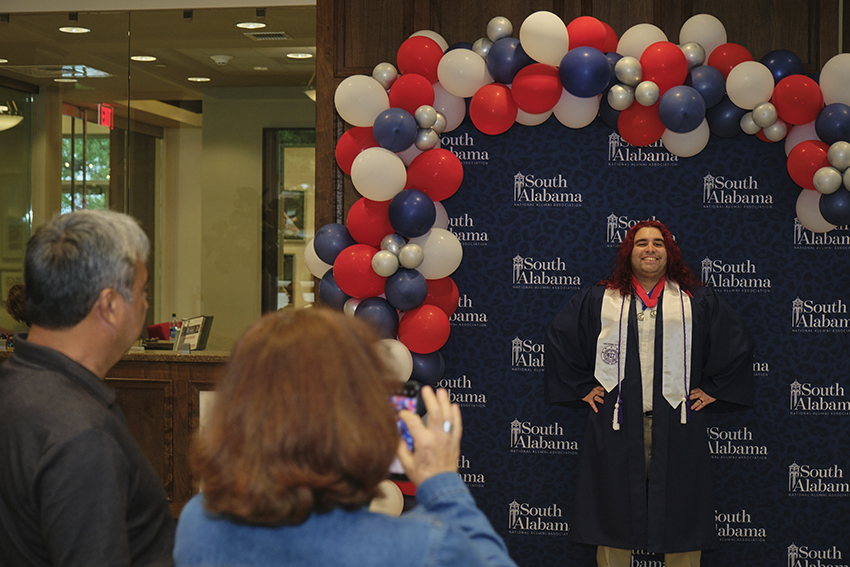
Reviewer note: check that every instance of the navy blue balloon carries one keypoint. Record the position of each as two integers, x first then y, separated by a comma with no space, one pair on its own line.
505,59
613,57
709,82
428,369
681,109
395,129
833,123
330,293
378,312
724,118
330,240
412,213
782,63
608,114
835,207
460,45
406,289
585,72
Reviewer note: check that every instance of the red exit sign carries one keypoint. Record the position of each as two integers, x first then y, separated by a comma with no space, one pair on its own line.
106,115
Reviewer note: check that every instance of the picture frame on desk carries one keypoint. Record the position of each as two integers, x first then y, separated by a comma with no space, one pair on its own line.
194,333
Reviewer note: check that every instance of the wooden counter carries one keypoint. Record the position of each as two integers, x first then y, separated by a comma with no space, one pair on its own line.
158,392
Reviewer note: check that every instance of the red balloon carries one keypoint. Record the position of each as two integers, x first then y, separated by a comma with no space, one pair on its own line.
726,56
804,161
664,64
424,329
420,55
611,40
369,222
798,99
444,294
353,272
351,143
438,173
411,91
640,125
537,88
587,31
493,109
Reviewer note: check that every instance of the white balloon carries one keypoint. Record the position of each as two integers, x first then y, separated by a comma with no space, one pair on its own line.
435,36
442,216
315,264
443,253
526,119
800,133
360,99
452,107
378,174
839,155
544,37
462,72
776,131
576,112
409,154
687,144
397,357
835,80
637,38
749,84
827,180
705,30
808,212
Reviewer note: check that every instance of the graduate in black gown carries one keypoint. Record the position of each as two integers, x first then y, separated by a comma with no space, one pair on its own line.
647,349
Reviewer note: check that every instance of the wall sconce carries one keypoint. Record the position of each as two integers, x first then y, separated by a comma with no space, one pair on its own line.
310,91
10,116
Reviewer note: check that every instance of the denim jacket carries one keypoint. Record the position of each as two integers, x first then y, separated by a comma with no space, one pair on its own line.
445,529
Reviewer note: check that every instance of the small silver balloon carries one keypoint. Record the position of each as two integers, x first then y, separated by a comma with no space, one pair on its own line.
440,125
748,125
839,155
776,131
411,256
694,54
647,93
426,139
386,74
846,177
384,263
393,243
425,116
350,306
827,180
620,97
482,47
628,71
498,28
765,114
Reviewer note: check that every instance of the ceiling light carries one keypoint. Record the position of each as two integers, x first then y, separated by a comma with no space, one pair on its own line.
199,79
250,25
299,55
64,80
4,60
143,58
261,68
9,115
74,29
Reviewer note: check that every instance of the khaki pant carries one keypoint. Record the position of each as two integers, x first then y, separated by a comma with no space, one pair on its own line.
613,557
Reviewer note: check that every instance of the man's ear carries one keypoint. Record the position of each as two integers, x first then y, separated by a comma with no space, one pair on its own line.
107,306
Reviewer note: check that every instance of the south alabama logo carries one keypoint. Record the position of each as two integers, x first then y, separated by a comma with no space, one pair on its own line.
616,227
837,238
530,273
464,229
528,437
526,355
533,191
621,153
463,146
809,399
805,556
526,519
737,526
719,192
806,480
733,276
810,316
734,444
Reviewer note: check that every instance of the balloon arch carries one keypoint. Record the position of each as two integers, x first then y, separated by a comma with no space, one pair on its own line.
391,262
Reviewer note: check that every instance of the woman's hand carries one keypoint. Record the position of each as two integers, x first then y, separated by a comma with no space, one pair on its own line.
596,396
436,445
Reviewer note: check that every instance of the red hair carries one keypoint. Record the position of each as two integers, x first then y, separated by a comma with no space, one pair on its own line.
677,270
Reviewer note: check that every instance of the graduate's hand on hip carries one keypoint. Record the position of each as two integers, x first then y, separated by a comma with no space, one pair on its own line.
596,396
700,399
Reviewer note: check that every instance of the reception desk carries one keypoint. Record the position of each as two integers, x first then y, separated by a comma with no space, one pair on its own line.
160,393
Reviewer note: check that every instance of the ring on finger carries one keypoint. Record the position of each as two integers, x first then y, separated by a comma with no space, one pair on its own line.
447,426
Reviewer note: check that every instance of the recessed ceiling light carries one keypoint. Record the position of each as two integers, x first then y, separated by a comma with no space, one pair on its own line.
143,58
250,25
64,80
199,79
74,29
261,68
299,55
4,60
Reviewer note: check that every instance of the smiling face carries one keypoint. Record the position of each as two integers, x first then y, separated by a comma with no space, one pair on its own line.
649,256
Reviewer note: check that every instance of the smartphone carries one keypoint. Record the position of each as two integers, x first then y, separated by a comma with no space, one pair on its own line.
408,398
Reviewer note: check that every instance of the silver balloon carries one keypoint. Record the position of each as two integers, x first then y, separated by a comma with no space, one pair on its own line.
694,54
425,116
426,139
498,28
628,71
839,155
827,180
647,93
393,243
482,47
386,74
350,306
776,131
410,256
620,97
748,125
440,125
846,178
385,263
765,115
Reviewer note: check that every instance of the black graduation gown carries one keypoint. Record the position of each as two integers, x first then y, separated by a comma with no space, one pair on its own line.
614,504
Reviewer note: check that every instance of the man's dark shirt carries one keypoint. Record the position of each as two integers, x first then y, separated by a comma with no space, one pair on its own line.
75,488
